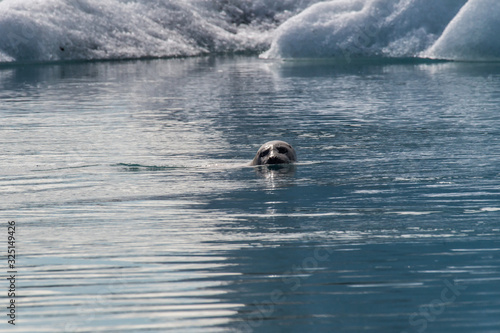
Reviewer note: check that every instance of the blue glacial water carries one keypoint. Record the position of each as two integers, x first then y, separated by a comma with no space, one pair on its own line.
136,212
135,207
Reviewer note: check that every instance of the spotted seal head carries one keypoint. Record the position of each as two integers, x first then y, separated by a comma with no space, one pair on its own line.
275,152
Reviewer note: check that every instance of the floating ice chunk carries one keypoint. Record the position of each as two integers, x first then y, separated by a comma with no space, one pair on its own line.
363,28
472,35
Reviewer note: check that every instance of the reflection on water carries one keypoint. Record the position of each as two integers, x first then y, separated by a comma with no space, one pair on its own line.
277,175
137,210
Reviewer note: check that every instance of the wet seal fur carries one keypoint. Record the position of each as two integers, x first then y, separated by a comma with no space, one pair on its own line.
275,153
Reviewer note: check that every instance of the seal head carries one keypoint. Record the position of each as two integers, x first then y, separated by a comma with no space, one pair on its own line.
275,152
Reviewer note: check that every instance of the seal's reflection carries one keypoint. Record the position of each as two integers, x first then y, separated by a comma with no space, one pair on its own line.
277,175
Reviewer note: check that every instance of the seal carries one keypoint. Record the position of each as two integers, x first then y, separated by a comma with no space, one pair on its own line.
275,152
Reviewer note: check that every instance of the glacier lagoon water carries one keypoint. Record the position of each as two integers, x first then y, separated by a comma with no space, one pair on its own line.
135,209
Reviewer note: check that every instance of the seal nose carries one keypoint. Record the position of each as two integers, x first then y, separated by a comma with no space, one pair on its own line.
273,152
274,160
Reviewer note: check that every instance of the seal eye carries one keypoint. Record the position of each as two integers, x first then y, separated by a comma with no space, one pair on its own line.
264,153
282,150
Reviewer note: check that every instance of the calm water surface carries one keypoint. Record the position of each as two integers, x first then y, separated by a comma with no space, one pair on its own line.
135,211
